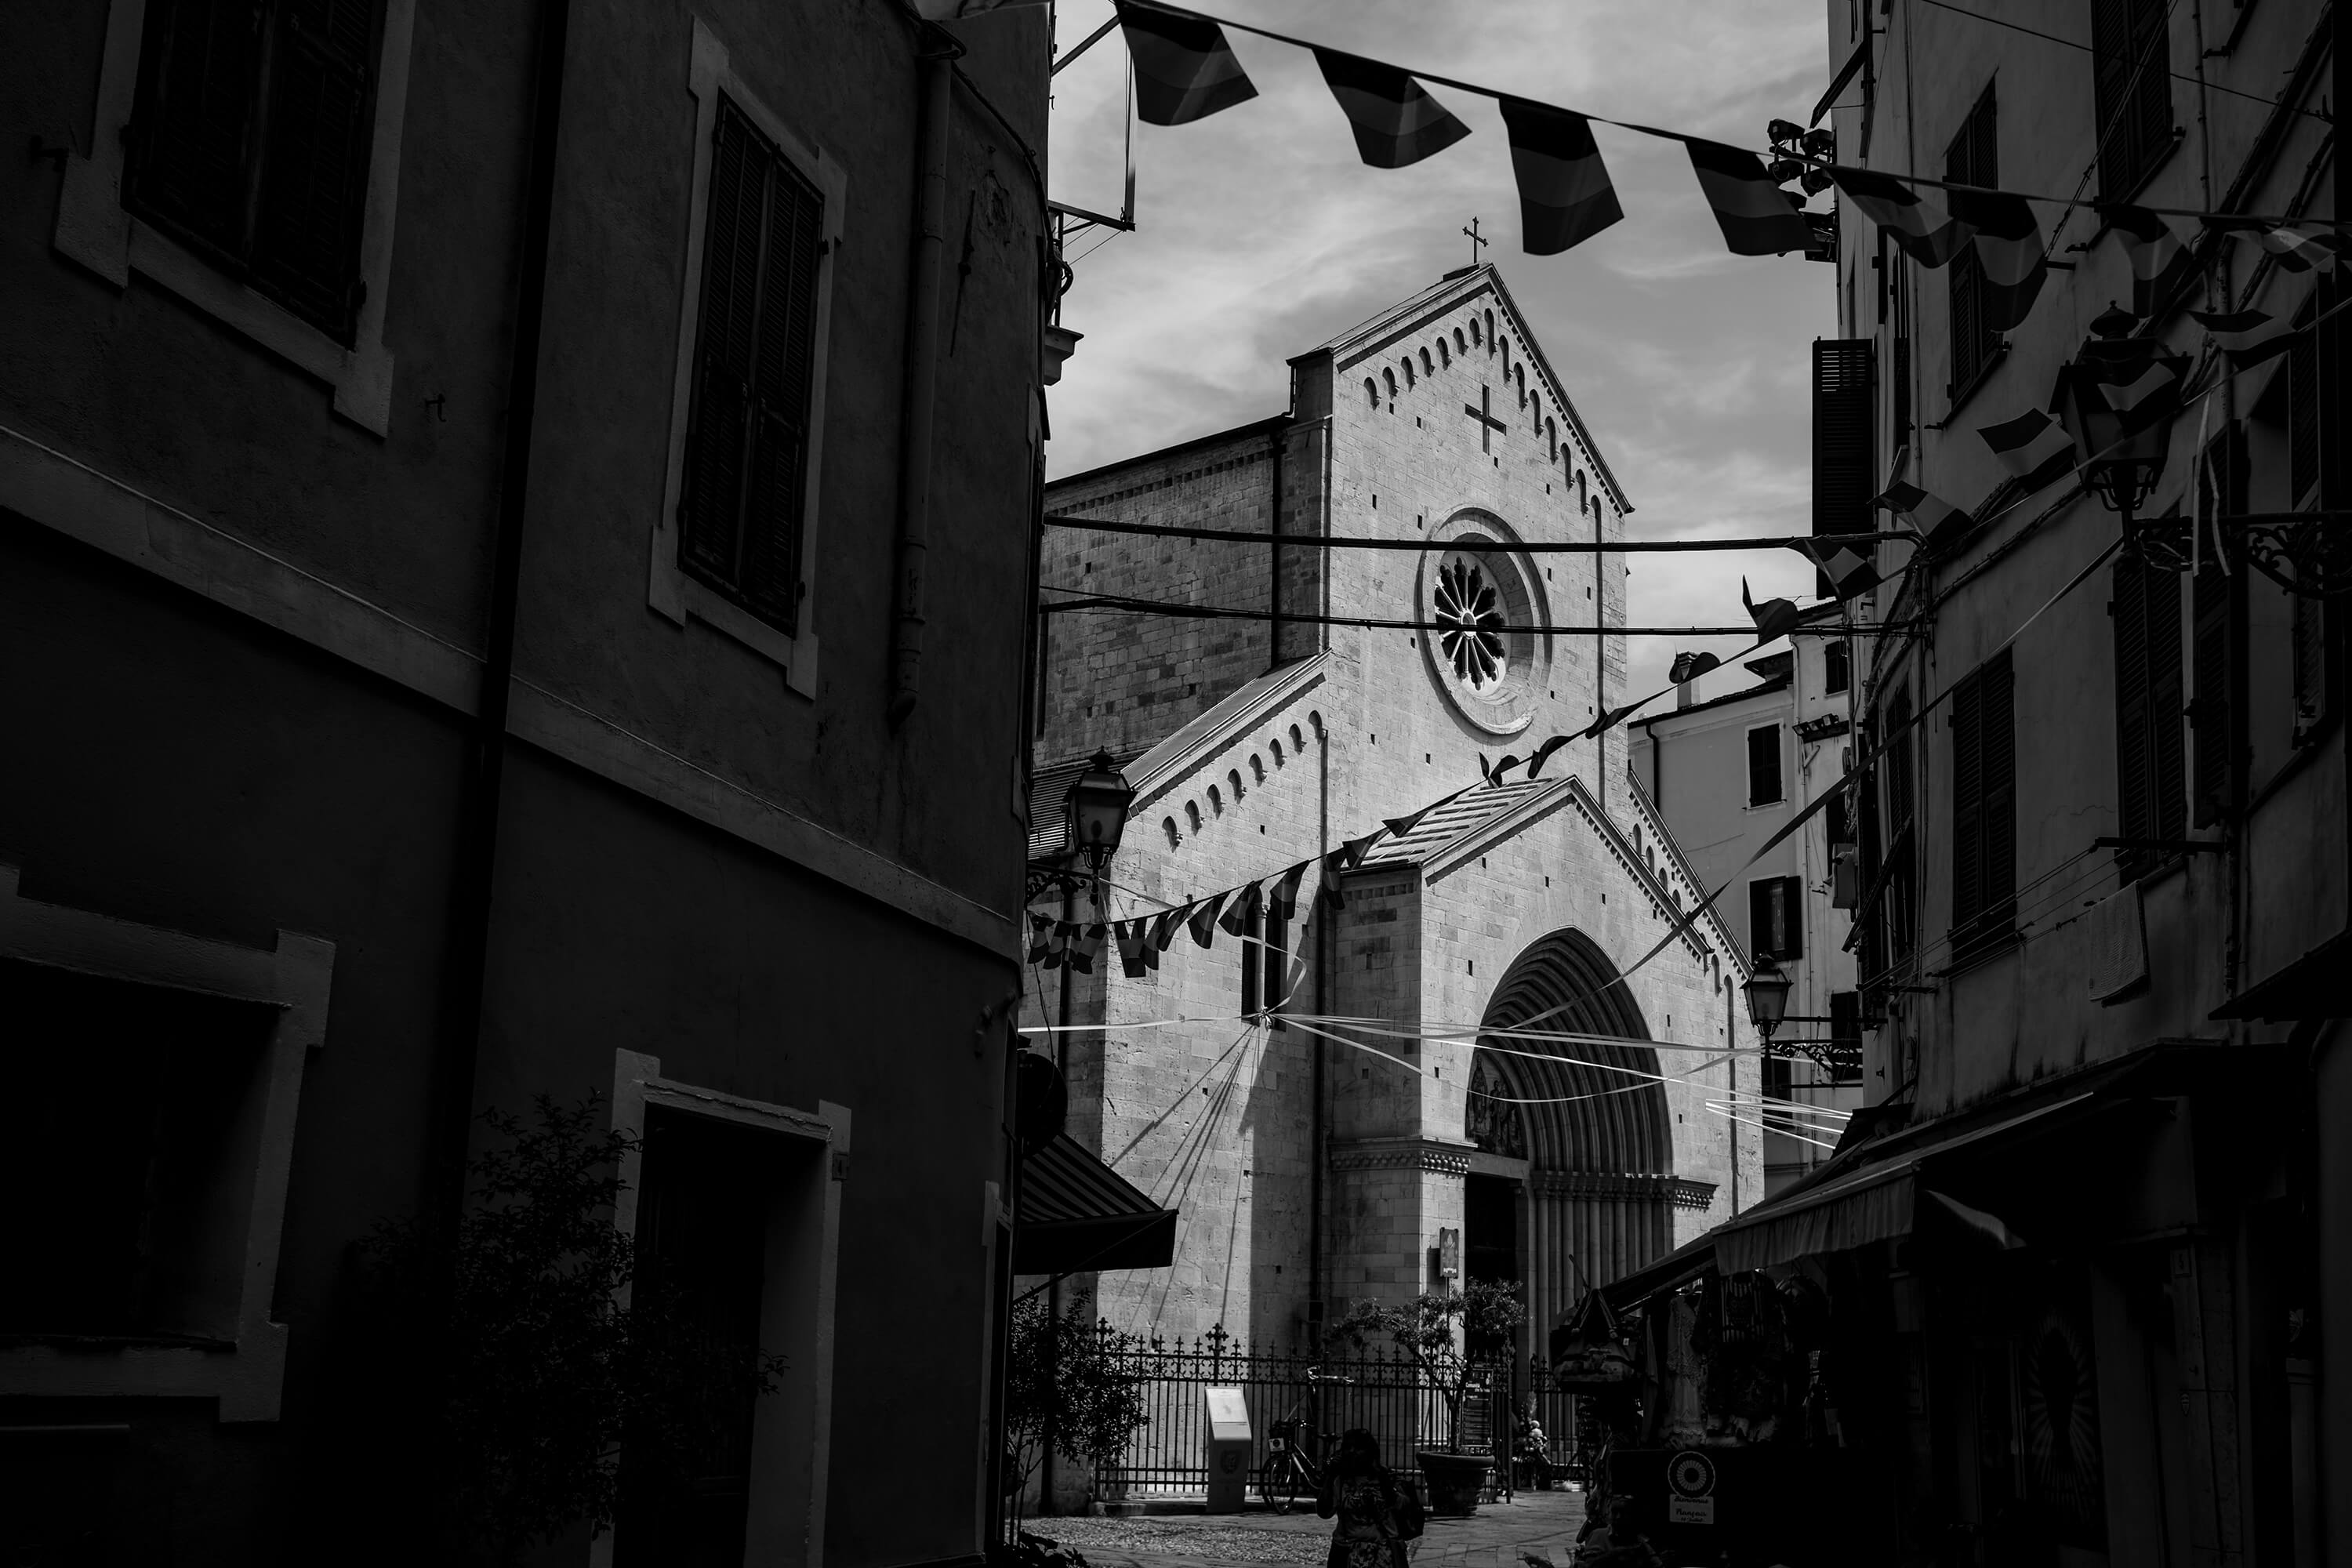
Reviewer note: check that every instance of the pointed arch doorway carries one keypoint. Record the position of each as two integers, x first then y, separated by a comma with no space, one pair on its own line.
1596,1199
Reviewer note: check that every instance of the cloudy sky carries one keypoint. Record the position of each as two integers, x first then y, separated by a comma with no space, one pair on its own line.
1259,233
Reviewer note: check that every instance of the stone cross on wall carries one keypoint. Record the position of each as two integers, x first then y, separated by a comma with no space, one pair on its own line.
1484,414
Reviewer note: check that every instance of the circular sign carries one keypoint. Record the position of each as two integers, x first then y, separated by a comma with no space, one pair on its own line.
1691,1474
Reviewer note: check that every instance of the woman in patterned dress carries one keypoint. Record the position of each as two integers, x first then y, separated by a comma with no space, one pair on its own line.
1364,1494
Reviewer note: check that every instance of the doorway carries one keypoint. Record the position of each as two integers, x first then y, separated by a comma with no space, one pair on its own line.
1490,1229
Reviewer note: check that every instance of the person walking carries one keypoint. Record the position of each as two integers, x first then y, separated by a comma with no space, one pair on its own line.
1376,1515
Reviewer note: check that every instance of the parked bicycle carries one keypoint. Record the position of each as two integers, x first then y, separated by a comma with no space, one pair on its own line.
1290,1472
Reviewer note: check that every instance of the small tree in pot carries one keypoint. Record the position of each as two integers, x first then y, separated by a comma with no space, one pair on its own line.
1066,1392
1449,1335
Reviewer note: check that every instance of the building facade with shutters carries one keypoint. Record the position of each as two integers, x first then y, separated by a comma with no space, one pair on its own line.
469,484
2084,1249
1467,1033
1726,772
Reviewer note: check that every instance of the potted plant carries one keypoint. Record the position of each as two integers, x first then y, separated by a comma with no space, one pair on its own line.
1451,1335
1066,1392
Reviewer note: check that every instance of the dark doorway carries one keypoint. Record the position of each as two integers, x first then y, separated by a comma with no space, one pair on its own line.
1490,1228
702,1235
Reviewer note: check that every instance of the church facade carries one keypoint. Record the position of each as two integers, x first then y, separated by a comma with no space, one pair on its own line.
1330,1100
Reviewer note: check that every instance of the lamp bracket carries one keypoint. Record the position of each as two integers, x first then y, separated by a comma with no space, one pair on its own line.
2309,556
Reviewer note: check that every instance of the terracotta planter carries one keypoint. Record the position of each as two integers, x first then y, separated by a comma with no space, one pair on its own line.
1452,1481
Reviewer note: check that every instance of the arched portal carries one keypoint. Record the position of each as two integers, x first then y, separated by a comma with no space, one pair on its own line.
1589,1117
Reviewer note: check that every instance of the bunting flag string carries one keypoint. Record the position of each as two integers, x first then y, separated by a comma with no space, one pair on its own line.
1185,70
2247,337
2161,265
1774,619
1931,514
1691,665
1851,573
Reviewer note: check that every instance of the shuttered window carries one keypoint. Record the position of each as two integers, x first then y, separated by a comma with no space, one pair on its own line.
1901,898
1984,808
250,142
1764,786
2213,703
2305,374
2149,797
1775,924
1973,159
2131,65
1845,460
741,506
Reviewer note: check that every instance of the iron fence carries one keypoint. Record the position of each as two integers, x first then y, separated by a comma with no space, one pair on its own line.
1382,1391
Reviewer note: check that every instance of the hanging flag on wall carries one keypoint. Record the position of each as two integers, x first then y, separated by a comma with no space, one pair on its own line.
1282,901
2033,447
2009,253
1754,215
1205,919
1165,929
1565,194
1931,514
1137,956
2161,264
1849,572
1242,909
1921,220
1773,617
1395,120
1184,69
2247,337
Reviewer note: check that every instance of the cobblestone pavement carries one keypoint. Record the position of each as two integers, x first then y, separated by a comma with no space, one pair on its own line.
1541,1524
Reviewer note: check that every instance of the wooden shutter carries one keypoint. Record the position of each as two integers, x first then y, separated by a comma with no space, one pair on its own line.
2209,711
747,445
2133,810
1846,473
2167,754
1997,810
2131,63
2151,89
314,164
1791,928
1845,1034
1764,766
1762,940
1968,801
2302,411
200,78
1971,160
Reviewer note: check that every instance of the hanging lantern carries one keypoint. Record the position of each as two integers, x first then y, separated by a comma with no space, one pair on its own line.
1096,809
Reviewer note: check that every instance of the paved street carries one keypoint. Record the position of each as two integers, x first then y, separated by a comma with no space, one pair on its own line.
1540,1523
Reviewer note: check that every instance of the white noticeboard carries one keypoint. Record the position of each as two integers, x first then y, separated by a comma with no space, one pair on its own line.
1228,1448
1228,1415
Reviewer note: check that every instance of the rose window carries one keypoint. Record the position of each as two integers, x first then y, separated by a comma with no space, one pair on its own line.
1467,607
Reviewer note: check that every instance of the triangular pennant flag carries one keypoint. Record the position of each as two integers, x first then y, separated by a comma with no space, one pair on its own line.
1691,665
1850,572
1281,902
1773,617
1612,717
1543,752
1184,69
2008,244
1354,848
1242,909
1493,773
2161,264
2033,447
1930,513
1328,890
1041,938
1137,957
2247,337
1165,929
2300,251
1402,826
1756,217
1565,196
1086,946
1395,122
1922,221
1204,917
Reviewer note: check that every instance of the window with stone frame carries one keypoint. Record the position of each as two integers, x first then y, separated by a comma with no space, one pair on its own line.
2131,70
1837,666
739,507
250,142
2151,794
1973,159
1776,917
1984,807
1764,781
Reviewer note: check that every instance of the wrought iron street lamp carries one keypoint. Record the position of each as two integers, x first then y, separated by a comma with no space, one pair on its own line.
2118,400
1768,997
1096,810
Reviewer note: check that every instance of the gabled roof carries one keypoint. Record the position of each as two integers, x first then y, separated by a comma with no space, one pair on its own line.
1455,821
1444,294
1221,726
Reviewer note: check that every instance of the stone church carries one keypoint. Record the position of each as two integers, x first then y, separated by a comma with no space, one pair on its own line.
1316,1102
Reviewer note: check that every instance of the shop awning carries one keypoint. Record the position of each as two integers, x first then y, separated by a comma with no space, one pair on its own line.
1870,1199
1077,1215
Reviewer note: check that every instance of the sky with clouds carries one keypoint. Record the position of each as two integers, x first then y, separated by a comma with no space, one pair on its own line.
1259,233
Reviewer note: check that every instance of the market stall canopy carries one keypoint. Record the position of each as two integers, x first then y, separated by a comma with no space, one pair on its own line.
1077,1215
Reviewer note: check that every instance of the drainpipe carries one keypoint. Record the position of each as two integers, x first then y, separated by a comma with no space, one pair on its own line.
1274,525
472,884
921,375
1316,1309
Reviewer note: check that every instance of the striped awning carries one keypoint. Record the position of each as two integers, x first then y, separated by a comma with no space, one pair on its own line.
1077,1215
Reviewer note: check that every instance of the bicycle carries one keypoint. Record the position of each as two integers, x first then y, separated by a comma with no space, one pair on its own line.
1290,1472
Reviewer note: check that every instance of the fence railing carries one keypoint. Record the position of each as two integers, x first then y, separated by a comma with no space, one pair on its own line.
1381,1390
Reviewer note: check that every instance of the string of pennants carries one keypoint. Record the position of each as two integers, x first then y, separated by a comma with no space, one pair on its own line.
1185,70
